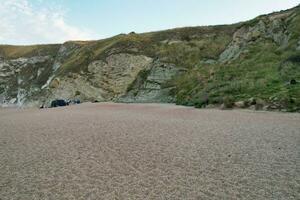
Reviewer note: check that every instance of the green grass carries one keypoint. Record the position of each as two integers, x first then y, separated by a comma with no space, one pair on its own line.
13,52
262,72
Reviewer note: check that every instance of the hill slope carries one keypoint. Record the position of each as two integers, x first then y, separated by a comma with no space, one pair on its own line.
258,59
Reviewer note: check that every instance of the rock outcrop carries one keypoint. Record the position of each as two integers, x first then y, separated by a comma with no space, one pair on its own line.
151,85
178,65
268,27
103,80
21,78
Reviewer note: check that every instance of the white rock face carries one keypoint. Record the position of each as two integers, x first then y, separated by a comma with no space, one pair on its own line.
18,76
23,62
39,72
64,51
104,81
48,82
21,97
13,101
118,72
56,66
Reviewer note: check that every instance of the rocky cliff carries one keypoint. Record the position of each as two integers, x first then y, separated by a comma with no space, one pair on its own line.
192,66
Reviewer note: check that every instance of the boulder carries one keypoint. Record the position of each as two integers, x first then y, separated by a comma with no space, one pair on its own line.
74,101
272,107
209,61
55,83
77,101
13,101
260,104
58,103
252,101
225,106
228,102
240,104
257,104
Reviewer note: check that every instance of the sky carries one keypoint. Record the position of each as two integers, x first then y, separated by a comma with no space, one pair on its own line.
24,22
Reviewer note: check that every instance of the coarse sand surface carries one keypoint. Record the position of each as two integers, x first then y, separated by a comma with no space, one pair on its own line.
148,151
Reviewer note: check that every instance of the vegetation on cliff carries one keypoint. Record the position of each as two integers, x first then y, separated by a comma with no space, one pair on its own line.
258,59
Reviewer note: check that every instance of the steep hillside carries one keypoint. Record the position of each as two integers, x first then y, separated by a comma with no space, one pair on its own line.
253,63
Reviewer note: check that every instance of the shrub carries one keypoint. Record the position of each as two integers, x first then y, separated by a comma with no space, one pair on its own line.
228,101
201,101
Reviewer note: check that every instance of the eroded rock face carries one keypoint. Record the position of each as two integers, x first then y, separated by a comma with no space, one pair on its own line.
63,53
151,84
134,68
117,72
272,27
77,86
25,81
240,40
33,81
20,78
103,81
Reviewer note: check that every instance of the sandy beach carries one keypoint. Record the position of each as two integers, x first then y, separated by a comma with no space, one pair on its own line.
148,151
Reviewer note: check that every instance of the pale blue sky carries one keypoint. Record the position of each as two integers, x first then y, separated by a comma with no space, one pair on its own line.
51,21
